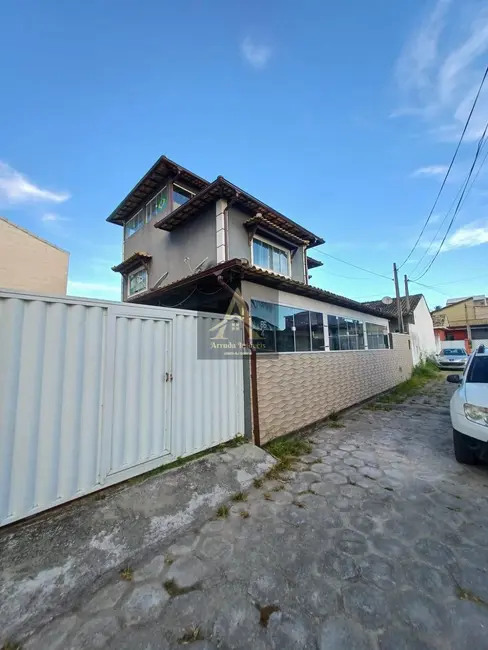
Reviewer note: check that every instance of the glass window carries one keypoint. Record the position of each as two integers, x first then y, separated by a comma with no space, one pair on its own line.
285,339
317,330
137,281
180,196
302,331
157,204
134,224
377,337
345,333
270,257
277,328
453,352
478,371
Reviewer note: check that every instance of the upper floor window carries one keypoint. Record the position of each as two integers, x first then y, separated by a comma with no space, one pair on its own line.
137,282
271,257
180,196
157,204
345,333
377,336
134,224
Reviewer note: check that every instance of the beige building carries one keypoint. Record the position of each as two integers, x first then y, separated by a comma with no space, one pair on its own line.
29,263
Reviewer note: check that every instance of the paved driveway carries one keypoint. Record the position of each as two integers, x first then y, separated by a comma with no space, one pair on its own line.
378,542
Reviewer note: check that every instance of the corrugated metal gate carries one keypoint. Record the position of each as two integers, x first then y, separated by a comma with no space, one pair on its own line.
93,393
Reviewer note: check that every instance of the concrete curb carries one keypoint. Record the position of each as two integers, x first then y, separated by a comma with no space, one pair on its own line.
48,564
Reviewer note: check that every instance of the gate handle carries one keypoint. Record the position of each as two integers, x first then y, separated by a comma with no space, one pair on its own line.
169,376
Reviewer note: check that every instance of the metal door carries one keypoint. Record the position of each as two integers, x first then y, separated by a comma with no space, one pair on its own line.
137,434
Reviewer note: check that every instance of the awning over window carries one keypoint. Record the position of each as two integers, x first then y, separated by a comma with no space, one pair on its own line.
132,262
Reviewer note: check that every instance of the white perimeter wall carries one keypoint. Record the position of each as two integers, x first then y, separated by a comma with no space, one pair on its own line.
422,333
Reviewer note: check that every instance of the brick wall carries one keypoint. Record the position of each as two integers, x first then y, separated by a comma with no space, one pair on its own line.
295,390
28,263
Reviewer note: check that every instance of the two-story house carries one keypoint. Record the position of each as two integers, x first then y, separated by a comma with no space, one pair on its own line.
191,243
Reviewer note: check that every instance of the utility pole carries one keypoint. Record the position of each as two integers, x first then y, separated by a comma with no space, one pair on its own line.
398,301
407,295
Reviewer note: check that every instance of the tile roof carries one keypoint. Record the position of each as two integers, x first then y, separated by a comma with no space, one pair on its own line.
246,271
391,310
222,188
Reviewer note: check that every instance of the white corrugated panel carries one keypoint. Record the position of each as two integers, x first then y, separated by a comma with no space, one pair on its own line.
92,393
51,367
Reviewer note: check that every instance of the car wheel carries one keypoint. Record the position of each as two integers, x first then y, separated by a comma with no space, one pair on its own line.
462,451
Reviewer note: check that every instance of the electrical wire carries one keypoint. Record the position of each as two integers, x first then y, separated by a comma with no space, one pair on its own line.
449,168
353,265
434,238
480,145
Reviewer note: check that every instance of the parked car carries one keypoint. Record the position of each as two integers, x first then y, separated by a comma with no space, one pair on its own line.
469,410
452,359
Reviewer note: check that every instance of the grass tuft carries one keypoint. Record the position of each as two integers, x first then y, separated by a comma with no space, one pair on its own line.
422,374
258,482
334,416
239,496
191,635
8,645
127,574
223,511
244,514
298,504
334,424
286,447
278,488
268,496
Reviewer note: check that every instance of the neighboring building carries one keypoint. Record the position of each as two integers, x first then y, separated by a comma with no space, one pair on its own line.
190,243
417,322
464,321
478,301
29,263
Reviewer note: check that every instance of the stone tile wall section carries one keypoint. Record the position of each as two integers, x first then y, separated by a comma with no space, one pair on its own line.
295,390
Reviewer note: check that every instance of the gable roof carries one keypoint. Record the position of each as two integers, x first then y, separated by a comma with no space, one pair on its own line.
31,234
151,182
245,271
222,188
452,304
391,310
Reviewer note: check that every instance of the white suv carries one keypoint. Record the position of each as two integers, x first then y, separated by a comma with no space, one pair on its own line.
469,409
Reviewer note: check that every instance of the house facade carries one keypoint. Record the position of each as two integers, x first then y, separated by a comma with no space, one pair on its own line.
29,263
417,322
464,321
213,247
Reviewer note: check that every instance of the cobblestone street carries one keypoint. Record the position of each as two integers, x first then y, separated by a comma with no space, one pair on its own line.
378,541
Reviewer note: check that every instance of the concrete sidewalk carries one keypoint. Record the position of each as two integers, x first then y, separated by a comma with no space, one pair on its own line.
51,563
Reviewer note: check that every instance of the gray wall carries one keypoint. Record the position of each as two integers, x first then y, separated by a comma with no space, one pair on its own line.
239,244
196,239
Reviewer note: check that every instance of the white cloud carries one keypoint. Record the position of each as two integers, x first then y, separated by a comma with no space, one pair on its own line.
472,234
467,236
94,289
16,188
440,68
431,170
256,54
52,217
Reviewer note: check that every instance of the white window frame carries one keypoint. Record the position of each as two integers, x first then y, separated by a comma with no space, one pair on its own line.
131,219
273,245
146,220
185,189
129,275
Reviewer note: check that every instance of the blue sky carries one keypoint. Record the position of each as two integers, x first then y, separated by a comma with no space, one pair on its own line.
343,116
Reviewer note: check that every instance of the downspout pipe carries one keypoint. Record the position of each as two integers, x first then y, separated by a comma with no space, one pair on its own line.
254,369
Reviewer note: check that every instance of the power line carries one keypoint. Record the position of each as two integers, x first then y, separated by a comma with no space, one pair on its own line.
349,264
480,145
434,238
449,169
